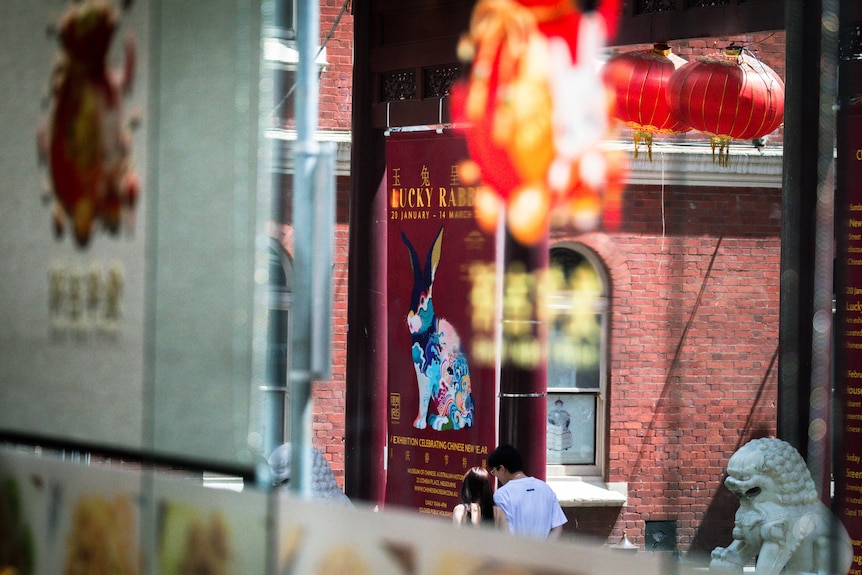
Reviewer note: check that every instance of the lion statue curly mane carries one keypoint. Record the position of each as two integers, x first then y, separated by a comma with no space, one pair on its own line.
780,521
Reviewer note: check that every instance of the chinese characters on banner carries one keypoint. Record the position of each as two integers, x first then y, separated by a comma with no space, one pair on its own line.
441,388
848,463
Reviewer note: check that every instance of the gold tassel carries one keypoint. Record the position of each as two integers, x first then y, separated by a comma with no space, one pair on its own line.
646,137
723,146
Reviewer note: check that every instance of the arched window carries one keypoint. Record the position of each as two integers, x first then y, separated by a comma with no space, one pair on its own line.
275,391
577,319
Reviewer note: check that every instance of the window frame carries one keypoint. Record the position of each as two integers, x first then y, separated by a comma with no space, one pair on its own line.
597,470
284,19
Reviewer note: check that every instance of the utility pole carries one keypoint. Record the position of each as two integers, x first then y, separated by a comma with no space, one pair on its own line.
313,205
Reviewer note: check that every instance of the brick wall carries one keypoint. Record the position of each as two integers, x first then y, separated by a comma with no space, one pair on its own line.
336,82
328,423
693,351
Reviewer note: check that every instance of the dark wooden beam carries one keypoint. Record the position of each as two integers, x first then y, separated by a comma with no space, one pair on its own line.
365,394
800,180
648,22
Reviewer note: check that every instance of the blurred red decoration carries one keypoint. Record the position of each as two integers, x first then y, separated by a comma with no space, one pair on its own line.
638,81
729,96
533,111
86,141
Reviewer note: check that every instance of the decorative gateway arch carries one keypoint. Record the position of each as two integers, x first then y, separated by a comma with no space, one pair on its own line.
405,64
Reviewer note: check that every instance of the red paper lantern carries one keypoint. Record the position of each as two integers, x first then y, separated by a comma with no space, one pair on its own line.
638,81
728,96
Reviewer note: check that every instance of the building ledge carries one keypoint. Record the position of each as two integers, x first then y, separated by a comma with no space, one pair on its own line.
581,492
286,54
696,164
286,139
672,163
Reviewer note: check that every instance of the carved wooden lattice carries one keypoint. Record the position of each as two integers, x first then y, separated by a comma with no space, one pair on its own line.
655,6
438,81
706,3
399,86
850,44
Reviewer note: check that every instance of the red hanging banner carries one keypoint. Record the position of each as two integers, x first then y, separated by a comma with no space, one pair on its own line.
441,386
848,292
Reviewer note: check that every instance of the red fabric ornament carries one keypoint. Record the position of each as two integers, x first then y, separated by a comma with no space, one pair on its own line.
638,81
728,96
86,142
532,107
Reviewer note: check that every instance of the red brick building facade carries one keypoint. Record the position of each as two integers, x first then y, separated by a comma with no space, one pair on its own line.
692,357
692,371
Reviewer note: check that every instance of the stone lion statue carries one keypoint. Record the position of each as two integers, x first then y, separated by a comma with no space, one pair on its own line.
323,484
780,520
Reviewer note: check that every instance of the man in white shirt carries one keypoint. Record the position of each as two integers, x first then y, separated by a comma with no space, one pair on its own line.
530,505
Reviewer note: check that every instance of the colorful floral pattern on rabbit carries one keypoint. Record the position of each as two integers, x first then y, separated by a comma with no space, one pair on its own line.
442,370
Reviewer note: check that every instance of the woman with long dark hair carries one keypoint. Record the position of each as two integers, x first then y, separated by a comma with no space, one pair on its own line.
477,501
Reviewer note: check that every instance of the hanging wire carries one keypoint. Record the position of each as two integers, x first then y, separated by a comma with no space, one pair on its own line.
762,67
663,225
745,45
662,201
755,42
323,44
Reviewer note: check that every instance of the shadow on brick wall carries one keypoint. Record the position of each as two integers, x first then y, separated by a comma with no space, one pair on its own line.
716,527
594,522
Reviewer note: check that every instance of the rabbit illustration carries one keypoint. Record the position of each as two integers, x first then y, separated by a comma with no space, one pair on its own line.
442,371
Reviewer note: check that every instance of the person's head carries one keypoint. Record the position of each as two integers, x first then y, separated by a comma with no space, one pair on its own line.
504,462
508,457
476,488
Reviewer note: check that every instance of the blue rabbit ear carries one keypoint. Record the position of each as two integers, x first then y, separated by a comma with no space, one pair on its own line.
434,257
414,260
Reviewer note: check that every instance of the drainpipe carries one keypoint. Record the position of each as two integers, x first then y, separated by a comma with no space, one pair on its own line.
306,151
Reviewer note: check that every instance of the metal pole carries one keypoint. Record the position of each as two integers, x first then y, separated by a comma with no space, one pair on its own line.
306,151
